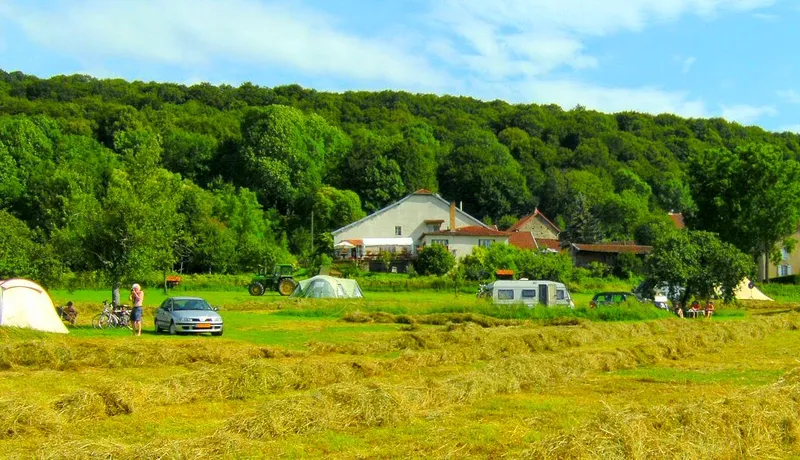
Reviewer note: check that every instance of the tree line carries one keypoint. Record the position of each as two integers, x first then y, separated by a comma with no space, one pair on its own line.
130,177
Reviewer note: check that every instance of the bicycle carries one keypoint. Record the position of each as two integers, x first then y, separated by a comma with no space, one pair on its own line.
112,316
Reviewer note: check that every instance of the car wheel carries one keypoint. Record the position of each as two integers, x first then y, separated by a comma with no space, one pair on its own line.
286,286
172,329
158,329
256,289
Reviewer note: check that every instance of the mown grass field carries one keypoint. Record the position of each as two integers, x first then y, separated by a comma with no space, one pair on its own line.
420,375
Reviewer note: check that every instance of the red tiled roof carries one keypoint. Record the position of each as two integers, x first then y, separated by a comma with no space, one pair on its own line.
677,219
613,248
356,242
472,230
525,220
525,240
548,243
434,221
423,191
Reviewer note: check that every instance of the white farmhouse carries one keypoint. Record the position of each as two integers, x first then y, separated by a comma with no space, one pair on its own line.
416,220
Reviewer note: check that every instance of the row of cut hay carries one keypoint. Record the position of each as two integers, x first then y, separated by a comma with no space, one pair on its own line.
529,357
69,353
22,419
255,378
758,424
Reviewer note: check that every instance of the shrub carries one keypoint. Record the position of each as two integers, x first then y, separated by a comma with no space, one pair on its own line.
435,259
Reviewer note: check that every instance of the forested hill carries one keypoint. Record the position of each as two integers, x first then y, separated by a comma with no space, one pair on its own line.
219,178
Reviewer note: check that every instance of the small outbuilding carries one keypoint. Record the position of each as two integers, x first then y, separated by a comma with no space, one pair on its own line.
328,287
24,303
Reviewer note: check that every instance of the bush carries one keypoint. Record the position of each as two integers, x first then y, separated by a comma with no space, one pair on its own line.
628,265
435,260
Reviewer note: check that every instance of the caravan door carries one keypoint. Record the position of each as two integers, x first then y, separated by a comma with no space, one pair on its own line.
544,294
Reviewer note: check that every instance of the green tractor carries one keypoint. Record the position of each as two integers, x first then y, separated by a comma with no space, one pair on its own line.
280,280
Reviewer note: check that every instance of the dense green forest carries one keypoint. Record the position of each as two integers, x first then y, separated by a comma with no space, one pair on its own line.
118,177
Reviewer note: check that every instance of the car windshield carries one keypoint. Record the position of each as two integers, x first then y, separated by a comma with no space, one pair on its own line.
190,304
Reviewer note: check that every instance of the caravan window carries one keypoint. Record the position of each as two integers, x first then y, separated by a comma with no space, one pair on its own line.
505,294
529,293
561,294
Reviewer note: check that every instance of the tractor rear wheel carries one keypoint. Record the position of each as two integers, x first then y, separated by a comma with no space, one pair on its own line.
286,286
256,288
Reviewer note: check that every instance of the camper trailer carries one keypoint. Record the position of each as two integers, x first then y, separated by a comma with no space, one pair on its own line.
530,293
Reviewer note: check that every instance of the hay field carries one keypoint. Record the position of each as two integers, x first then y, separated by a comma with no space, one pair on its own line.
407,375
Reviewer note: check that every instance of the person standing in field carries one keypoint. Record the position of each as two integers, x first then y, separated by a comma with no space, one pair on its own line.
137,296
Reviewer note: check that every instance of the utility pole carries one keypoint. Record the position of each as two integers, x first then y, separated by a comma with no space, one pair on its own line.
312,233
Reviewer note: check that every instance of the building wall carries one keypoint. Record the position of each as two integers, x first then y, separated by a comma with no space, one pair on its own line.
539,228
792,262
461,245
410,215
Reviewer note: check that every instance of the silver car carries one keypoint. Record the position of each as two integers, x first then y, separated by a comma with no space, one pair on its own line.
188,315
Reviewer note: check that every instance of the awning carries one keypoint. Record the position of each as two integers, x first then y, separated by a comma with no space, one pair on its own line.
388,242
344,244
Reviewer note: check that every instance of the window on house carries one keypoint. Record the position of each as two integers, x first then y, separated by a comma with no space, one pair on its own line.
505,294
442,242
434,227
485,243
784,270
529,293
784,254
398,230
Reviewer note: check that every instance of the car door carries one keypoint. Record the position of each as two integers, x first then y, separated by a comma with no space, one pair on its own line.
162,314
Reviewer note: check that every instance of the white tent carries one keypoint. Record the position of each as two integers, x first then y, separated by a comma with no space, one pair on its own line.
328,287
25,304
744,291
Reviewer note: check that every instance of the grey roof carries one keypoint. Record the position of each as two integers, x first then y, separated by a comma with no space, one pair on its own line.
398,202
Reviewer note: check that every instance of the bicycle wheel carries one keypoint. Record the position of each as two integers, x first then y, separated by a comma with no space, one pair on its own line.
101,321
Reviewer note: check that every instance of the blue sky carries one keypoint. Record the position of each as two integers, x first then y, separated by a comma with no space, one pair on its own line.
729,58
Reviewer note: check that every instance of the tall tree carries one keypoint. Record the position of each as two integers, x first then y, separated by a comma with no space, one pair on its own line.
699,262
582,226
135,229
749,196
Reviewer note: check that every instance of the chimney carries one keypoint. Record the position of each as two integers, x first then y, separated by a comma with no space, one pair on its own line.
452,215
460,205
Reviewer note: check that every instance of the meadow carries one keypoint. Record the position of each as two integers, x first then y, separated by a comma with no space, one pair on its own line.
408,374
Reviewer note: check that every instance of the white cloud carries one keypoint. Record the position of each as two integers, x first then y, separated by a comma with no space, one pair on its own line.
747,114
790,95
202,33
688,63
523,44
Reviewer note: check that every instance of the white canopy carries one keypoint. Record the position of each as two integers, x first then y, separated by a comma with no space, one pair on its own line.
388,241
344,244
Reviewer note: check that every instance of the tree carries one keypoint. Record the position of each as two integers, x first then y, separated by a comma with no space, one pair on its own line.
749,196
699,262
583,226
435,259
134,230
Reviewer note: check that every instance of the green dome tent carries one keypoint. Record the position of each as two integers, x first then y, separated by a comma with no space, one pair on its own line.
328,287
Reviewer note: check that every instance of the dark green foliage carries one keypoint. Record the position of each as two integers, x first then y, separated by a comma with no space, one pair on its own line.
484,262
582,226
435,259
699,262
71,148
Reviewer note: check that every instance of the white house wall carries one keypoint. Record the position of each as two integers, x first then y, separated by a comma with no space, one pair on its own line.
410,215
461,245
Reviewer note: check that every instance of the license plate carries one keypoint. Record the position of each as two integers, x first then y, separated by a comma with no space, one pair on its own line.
203,326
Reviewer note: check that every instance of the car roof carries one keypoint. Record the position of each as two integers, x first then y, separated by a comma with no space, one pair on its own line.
184,298
614,293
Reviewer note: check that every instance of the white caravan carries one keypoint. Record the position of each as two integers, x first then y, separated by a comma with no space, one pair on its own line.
530,293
